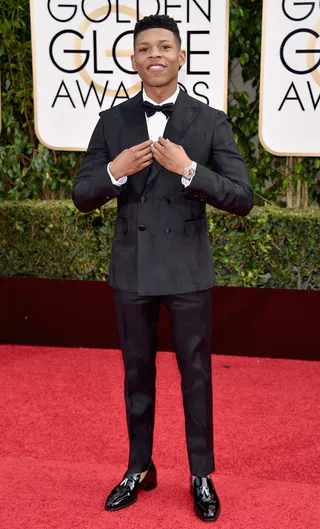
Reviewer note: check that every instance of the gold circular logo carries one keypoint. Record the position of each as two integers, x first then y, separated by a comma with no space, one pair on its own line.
132,90
311,60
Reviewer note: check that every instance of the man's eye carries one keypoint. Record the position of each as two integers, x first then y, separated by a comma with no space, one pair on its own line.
144,49
166,46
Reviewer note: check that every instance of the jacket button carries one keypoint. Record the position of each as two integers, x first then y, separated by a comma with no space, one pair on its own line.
167,230
168,201
143,200
142,227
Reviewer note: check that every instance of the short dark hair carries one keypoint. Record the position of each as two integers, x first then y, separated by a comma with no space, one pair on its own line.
157,21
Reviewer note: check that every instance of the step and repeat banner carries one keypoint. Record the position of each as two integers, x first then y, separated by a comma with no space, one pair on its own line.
81,59
290,78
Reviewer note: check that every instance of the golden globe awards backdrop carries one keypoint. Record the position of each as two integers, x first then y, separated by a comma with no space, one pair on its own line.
290,78
81,59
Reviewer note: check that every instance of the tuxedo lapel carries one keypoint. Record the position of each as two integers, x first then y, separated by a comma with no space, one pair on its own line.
135,132
184,112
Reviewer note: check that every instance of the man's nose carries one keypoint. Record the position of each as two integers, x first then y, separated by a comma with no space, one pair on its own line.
155,53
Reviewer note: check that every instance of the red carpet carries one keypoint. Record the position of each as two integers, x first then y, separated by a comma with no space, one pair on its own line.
64,442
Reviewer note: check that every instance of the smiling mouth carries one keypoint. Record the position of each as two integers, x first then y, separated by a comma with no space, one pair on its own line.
156,68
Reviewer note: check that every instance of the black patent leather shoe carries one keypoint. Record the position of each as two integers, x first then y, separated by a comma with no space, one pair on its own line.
206,502
126,493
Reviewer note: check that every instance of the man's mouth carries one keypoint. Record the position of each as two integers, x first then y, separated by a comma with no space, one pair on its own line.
156,67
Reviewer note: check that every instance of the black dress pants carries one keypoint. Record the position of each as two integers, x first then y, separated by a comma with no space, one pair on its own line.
190,316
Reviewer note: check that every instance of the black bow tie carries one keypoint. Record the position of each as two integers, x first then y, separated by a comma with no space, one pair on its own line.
151,109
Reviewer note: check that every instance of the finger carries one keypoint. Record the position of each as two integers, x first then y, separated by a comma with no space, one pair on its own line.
147,157
157,146
157,156
145,151
145,144
142,145
146,164
163,141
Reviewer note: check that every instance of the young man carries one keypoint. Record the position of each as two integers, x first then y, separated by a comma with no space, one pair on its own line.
151,153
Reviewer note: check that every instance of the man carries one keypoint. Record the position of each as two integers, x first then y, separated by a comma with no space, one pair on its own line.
151,153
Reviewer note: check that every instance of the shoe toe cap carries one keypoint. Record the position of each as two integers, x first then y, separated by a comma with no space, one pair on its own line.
208,512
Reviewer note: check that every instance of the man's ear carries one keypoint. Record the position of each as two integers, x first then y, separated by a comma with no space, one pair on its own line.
182,58
133,62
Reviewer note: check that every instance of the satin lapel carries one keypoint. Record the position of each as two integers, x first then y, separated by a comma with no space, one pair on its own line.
184,112
135,132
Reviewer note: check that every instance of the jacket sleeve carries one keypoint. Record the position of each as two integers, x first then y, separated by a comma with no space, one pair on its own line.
226,186
93,186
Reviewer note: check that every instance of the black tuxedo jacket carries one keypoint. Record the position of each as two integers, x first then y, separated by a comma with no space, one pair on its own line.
161,243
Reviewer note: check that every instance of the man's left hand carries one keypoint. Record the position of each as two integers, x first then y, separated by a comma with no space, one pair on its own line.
170,155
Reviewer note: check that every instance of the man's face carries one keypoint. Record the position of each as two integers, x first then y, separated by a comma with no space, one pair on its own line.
157,57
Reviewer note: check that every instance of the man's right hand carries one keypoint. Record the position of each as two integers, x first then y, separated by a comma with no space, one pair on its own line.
132,160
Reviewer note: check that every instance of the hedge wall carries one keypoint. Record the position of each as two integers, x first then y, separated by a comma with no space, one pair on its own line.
272,247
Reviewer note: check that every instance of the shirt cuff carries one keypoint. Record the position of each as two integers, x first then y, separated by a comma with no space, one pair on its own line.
187,181
118,182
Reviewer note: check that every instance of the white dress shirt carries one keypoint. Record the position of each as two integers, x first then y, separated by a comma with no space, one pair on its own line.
156,125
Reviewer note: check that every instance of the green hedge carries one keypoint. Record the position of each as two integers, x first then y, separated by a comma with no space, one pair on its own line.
271,247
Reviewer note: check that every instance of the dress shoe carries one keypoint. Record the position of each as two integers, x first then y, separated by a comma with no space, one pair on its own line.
126,493
206,502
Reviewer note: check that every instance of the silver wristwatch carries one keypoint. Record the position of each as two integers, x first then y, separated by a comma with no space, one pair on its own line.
190,171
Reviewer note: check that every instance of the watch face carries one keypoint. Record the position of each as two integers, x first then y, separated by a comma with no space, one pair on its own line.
189,173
